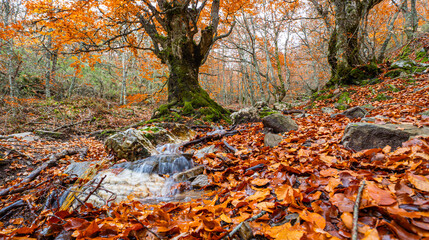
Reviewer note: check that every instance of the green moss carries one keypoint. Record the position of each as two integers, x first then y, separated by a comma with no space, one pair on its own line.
344,98
393,74
342,107
188,109
406,51
421,55
266,112
352,76
393,88
381,97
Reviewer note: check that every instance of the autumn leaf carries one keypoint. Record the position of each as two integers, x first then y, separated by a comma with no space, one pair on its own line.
379,196
285,232
420,182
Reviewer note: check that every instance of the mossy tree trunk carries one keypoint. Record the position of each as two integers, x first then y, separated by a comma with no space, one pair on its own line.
176,45
345,44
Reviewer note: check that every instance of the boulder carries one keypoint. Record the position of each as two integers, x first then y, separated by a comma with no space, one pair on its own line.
355,112
272,140
403,63
200,181
78,168
279,123
246,115
359,136
25,136
130,144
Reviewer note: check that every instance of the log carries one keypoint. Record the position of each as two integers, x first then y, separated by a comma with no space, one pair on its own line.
14,205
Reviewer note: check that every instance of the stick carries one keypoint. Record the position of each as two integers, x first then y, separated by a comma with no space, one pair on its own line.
209,138
52,162
356,211
144,226
229,147
73,124
262,213
95,189
14,205
12,150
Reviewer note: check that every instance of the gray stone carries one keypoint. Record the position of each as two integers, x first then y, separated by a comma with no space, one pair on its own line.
368,107
327,110
130,144
302,115
25,136
341,106
204,151
189,174
403,63
272,140
279,123
260,105
281,106
359,136
200,181
78,168
246,115
355,112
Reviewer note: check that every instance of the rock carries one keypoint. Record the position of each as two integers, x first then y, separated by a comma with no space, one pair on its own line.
341,106
78,168
179,131
368,107
25,136
403,63
200,181
260,105
279,123
204,151
281,106
355,112
43,133
245,115
359,136
189,174
327,110
130,144
272,140
302,115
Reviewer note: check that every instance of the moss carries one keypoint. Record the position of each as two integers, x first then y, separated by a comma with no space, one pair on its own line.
393,74
354,76
188,109
381,97
421,55
266,112
342,107
344,98
392,88
406,51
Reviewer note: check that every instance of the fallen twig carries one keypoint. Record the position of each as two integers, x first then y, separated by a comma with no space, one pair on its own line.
356,211
52,162
14,205
209,138
12,150
95,189
73,124
144,226
262,213
229,147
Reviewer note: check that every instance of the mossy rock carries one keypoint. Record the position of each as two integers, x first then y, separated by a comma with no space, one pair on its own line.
394,73
344,98
266,112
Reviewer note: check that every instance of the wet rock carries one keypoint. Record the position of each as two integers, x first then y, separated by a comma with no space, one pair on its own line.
272,140
327,110
130,144
359,136
246,115
279,123
200,181
189,174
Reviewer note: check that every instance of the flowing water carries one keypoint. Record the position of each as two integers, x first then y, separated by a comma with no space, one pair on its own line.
148,180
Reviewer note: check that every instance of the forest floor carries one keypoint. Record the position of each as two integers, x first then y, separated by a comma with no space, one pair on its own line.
305,188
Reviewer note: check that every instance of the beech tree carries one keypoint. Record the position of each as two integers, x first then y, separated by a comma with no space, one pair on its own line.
181,33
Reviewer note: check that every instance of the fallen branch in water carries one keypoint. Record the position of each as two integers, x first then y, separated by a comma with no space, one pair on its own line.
356,211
